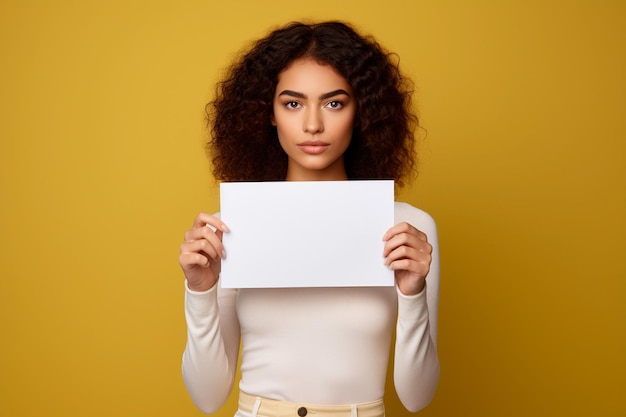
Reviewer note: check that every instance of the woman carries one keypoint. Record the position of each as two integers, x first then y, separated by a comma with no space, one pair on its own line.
312,103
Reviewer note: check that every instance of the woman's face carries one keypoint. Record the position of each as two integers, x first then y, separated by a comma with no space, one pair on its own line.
314,112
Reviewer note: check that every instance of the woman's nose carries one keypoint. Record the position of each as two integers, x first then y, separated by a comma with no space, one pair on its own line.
313,122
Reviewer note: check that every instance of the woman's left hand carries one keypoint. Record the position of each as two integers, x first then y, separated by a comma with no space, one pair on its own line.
408,253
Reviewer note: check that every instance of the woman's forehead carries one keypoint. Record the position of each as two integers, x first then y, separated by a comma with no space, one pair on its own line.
310,77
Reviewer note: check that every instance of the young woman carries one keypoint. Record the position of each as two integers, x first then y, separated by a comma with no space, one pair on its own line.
313,102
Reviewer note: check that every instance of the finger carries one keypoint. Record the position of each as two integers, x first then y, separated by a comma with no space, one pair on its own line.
191,259
409,254
204,219
401,252
206,233
404,227
203,246
420,267
406,239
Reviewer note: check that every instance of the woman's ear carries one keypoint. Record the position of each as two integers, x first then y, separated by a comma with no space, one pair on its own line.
273,120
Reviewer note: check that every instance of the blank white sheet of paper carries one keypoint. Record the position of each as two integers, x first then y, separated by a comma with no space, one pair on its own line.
306,234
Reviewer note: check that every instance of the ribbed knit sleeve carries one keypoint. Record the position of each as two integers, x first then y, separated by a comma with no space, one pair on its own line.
210,357
416,363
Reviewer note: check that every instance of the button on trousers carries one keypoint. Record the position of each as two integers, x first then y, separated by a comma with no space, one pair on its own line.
251,406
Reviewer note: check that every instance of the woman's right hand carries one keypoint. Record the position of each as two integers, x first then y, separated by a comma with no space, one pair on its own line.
202,252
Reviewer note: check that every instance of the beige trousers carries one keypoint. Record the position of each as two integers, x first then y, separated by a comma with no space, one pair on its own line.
252,406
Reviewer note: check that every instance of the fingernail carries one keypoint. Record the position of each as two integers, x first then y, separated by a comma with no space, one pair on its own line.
224,228
223,254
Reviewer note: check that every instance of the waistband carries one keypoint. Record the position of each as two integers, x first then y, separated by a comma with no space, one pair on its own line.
265,407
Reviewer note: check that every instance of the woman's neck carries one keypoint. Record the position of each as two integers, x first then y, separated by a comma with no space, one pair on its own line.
296,175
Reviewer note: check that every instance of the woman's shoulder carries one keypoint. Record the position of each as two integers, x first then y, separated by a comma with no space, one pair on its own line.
405,212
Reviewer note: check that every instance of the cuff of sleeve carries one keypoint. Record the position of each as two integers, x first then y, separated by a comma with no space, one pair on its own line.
201,302
190,291
412,306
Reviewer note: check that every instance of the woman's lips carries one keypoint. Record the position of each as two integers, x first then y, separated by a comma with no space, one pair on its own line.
313,147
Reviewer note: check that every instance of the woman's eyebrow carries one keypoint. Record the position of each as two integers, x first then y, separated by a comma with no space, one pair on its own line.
334,93
324,96
292,94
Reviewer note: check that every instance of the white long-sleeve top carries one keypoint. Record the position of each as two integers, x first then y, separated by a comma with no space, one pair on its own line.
326,346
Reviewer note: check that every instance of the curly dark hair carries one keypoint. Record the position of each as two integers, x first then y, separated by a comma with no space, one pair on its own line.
244,145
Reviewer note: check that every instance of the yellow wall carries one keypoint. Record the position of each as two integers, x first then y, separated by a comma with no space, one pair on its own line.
102,169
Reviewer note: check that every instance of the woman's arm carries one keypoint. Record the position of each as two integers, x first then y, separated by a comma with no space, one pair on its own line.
210,357
416,364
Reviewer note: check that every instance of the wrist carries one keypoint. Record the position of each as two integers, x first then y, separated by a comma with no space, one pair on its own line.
199,287
412,288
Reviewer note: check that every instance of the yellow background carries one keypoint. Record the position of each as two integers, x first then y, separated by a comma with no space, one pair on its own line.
102,170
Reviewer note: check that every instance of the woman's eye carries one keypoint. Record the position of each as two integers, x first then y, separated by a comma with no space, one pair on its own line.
335,104
292,104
